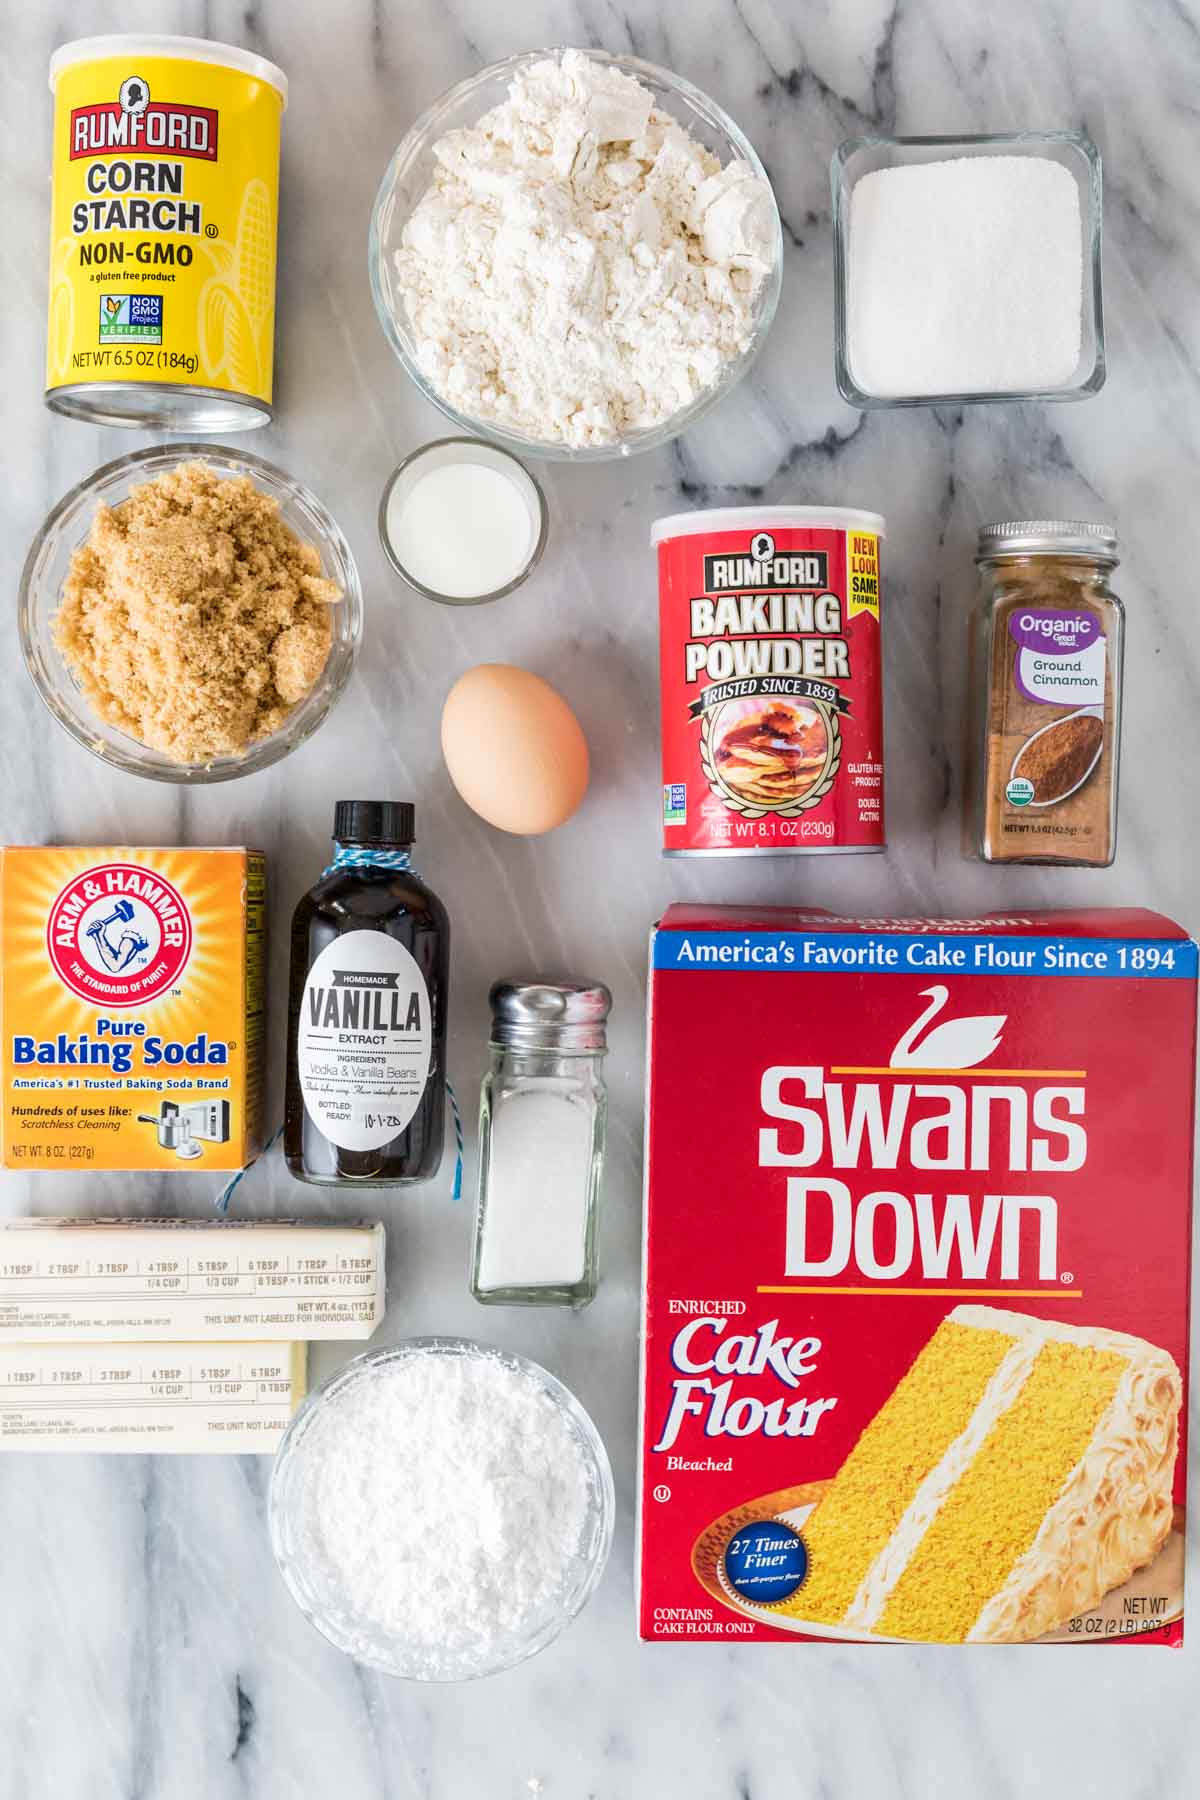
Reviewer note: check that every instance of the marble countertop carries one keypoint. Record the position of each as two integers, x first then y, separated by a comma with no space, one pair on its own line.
147,1648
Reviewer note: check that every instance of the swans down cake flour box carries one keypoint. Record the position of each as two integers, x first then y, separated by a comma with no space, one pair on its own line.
131,1007
918,1200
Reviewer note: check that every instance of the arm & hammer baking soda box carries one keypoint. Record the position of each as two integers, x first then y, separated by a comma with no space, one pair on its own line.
918,1198
131,1005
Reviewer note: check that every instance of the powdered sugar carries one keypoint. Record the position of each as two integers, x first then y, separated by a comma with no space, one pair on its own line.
581,268
444,1506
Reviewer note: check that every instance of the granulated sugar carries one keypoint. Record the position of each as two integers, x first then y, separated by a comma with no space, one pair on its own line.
965,277
445,1501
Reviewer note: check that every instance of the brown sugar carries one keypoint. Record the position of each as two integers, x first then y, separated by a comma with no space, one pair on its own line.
193,617
1057,760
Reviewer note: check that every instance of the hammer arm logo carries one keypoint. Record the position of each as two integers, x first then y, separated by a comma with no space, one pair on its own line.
119,935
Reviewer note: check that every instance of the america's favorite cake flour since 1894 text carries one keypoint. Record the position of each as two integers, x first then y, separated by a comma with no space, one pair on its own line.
581,266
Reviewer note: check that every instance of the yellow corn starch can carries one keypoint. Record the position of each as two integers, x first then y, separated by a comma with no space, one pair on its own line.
162,238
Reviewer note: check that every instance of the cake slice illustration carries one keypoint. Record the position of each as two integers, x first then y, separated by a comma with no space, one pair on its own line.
1020,1470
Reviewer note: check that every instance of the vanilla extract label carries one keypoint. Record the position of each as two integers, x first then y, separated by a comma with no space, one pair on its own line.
365,1000
365,1040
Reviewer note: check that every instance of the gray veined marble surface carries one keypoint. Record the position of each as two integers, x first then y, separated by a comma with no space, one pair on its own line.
147,1650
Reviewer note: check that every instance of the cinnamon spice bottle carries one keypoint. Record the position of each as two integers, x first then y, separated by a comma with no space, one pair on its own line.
1047,645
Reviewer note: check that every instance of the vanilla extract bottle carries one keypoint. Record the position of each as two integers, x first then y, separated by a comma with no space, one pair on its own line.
367,1010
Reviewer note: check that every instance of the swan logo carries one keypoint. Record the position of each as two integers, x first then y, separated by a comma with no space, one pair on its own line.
118,935
1012,1122
951,1044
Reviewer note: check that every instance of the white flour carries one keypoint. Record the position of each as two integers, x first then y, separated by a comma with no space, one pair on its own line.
445,1500
581,267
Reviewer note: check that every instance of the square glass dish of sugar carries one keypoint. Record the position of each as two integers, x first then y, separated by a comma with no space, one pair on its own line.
967,269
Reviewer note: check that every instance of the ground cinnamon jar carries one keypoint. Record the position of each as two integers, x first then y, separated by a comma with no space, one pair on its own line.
1047,643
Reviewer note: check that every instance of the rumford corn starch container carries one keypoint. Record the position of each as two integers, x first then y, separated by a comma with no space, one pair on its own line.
163,227
772,693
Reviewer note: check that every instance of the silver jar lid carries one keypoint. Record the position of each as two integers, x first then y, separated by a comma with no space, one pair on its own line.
550,1015
1047,537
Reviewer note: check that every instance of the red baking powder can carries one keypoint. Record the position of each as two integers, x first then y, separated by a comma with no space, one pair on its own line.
772,689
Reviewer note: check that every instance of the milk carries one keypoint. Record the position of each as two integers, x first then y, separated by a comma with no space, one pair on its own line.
463,521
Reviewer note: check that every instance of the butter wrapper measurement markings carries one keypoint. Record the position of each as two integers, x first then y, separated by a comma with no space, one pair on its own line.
145,1280
165,1398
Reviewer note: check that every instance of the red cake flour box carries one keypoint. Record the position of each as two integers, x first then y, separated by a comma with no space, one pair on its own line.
918,1204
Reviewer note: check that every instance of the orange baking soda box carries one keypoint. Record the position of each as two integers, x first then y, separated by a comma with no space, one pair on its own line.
131,1003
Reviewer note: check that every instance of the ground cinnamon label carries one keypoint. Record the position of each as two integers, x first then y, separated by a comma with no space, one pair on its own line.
1048,648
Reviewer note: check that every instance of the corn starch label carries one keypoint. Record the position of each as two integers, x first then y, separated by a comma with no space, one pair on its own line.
163,228
772,705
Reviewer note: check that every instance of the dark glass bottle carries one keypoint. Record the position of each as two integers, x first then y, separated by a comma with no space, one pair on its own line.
367,1010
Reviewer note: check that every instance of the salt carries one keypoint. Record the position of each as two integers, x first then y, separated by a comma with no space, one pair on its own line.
535,1224
542,1118
965,277
463,520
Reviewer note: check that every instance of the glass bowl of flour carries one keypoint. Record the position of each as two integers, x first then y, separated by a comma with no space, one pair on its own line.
440,1510
576,255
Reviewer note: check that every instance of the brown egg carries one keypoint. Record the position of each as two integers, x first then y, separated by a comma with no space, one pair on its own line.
514,749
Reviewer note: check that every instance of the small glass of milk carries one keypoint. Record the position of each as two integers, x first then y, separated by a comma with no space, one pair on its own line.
462,521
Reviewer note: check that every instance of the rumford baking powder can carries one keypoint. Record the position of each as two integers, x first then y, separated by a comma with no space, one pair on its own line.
162,236
772,695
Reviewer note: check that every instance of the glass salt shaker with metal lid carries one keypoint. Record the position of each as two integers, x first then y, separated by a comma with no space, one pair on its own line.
1047,648
542,1117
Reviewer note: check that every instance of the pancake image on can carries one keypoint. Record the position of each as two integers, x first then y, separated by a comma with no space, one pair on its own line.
164,214
776,757
772,700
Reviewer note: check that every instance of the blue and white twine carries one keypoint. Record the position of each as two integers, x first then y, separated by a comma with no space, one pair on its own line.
221,1203
366,856
456,1190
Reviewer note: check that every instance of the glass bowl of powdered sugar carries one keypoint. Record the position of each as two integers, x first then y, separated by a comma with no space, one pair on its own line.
441,1510
574,254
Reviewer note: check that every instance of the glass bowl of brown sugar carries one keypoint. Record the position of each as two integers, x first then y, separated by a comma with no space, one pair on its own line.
83,699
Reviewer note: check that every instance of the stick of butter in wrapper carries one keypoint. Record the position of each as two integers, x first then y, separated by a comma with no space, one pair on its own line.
188,1280
166,1398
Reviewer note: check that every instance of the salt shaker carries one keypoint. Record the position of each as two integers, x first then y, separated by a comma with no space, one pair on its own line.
542,1115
